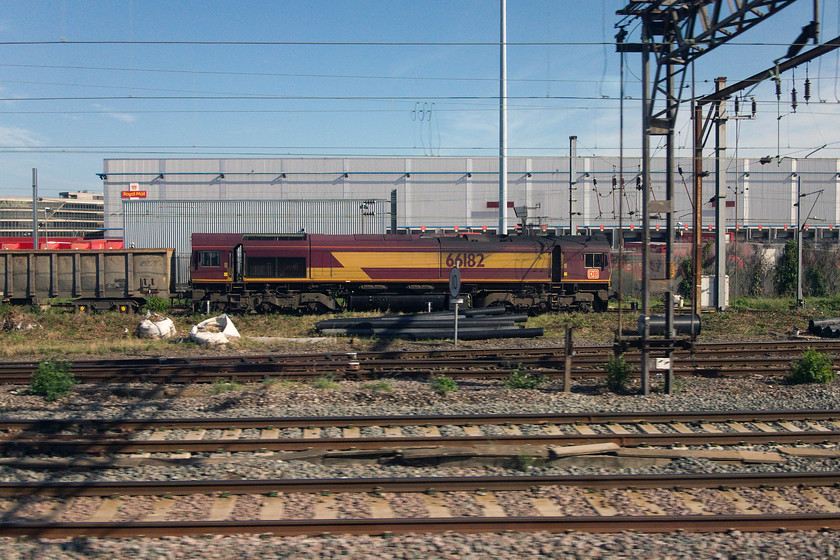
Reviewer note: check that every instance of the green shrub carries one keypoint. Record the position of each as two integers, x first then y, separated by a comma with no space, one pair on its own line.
444,385
813,367
816,282
157,304
523,380
618,373
525,462
686,286
53,379
787,269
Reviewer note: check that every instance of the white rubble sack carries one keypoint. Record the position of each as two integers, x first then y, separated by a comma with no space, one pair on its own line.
155,326
216,330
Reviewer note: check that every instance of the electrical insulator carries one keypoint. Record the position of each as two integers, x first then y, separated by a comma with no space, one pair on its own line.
754,107
807,90
736,106
778,89
793,99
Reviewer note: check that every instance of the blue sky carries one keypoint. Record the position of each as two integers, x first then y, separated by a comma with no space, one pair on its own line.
292,77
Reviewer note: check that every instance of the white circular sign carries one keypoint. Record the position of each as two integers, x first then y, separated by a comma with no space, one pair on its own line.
455,282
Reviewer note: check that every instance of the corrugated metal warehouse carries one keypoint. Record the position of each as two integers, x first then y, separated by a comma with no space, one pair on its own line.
159,202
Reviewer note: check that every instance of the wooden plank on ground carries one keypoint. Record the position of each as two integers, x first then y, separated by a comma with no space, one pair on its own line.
586,449
711,454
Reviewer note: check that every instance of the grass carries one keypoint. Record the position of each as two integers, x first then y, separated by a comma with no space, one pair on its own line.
61,333
222,385
325,382
382,386
519,379
443,385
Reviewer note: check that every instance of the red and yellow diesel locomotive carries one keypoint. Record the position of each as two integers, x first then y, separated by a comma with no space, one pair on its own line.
314,272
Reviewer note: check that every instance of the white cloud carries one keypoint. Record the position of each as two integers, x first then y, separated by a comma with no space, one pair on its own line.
123,117
18,138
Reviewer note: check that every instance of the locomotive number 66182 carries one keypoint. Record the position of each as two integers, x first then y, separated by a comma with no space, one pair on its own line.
465,260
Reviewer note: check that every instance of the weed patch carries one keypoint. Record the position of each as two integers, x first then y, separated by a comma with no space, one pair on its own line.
383,386
523,380
53,379
443,385
618,373
222,385
325,382
813,367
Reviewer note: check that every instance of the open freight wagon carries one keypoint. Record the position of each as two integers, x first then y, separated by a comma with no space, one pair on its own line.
110,279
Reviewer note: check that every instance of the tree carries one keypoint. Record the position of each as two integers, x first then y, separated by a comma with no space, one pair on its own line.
786,270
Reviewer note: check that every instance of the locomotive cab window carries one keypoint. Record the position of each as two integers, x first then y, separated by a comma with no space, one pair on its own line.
594,260
209,258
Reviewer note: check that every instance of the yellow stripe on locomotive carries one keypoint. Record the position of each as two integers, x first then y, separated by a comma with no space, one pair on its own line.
363,266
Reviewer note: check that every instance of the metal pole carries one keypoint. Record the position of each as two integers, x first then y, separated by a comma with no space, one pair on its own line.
697,219
572,155
567,369
646,112
34,208
800,301
456,323
669,223
620,197
720,198
503,122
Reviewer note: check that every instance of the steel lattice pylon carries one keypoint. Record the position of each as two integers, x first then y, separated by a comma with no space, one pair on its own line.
676,33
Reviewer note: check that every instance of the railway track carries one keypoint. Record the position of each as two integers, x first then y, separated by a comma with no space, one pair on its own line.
392,434
707,502
716,359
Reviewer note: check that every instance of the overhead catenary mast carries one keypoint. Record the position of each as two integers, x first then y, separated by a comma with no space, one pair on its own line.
503,123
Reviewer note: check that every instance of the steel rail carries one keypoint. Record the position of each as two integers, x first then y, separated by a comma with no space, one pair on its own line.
331,358
259,372
415,484
95,444
310,527
12,425
742,358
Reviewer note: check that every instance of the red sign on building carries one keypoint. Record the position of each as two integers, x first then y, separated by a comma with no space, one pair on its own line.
134,194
